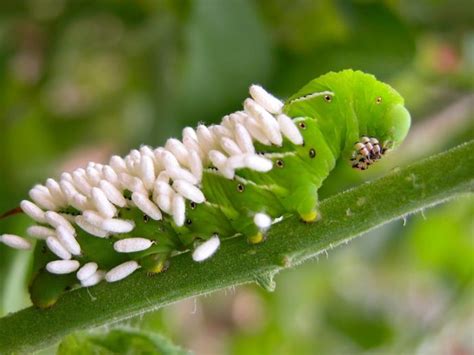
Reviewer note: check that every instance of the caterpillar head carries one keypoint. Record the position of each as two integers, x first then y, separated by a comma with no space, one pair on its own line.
382,118
357,113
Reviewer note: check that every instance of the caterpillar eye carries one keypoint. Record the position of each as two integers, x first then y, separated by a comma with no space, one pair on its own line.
192,205
240,187
378,100
146,218
189,222
312,153
302,125
280,163
327,98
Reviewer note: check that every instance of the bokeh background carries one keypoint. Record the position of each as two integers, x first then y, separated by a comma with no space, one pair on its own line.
80,80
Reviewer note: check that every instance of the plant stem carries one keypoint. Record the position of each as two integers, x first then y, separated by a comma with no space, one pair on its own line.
344,216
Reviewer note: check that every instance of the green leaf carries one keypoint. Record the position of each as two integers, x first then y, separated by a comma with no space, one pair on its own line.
344,216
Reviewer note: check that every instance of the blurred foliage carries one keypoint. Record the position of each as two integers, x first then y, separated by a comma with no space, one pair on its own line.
80,80
118,341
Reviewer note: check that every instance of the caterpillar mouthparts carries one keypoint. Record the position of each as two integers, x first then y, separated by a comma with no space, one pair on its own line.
366,152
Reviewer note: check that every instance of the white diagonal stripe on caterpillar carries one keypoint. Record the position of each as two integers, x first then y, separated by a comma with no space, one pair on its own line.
311,96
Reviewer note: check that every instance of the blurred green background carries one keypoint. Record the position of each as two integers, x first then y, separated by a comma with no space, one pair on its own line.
81,80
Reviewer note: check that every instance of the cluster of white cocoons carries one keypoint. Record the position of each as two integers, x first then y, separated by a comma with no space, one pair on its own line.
160,181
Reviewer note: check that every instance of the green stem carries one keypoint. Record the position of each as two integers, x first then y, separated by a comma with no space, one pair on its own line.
344,216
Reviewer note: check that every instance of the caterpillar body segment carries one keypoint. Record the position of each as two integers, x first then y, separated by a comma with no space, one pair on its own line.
239,177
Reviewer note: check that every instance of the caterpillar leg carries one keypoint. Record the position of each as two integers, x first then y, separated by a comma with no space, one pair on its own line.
262,223
256,238
46,288
155,263
307,198
310,217
255,228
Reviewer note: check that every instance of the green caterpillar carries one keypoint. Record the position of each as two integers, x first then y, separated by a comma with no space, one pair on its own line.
239,177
